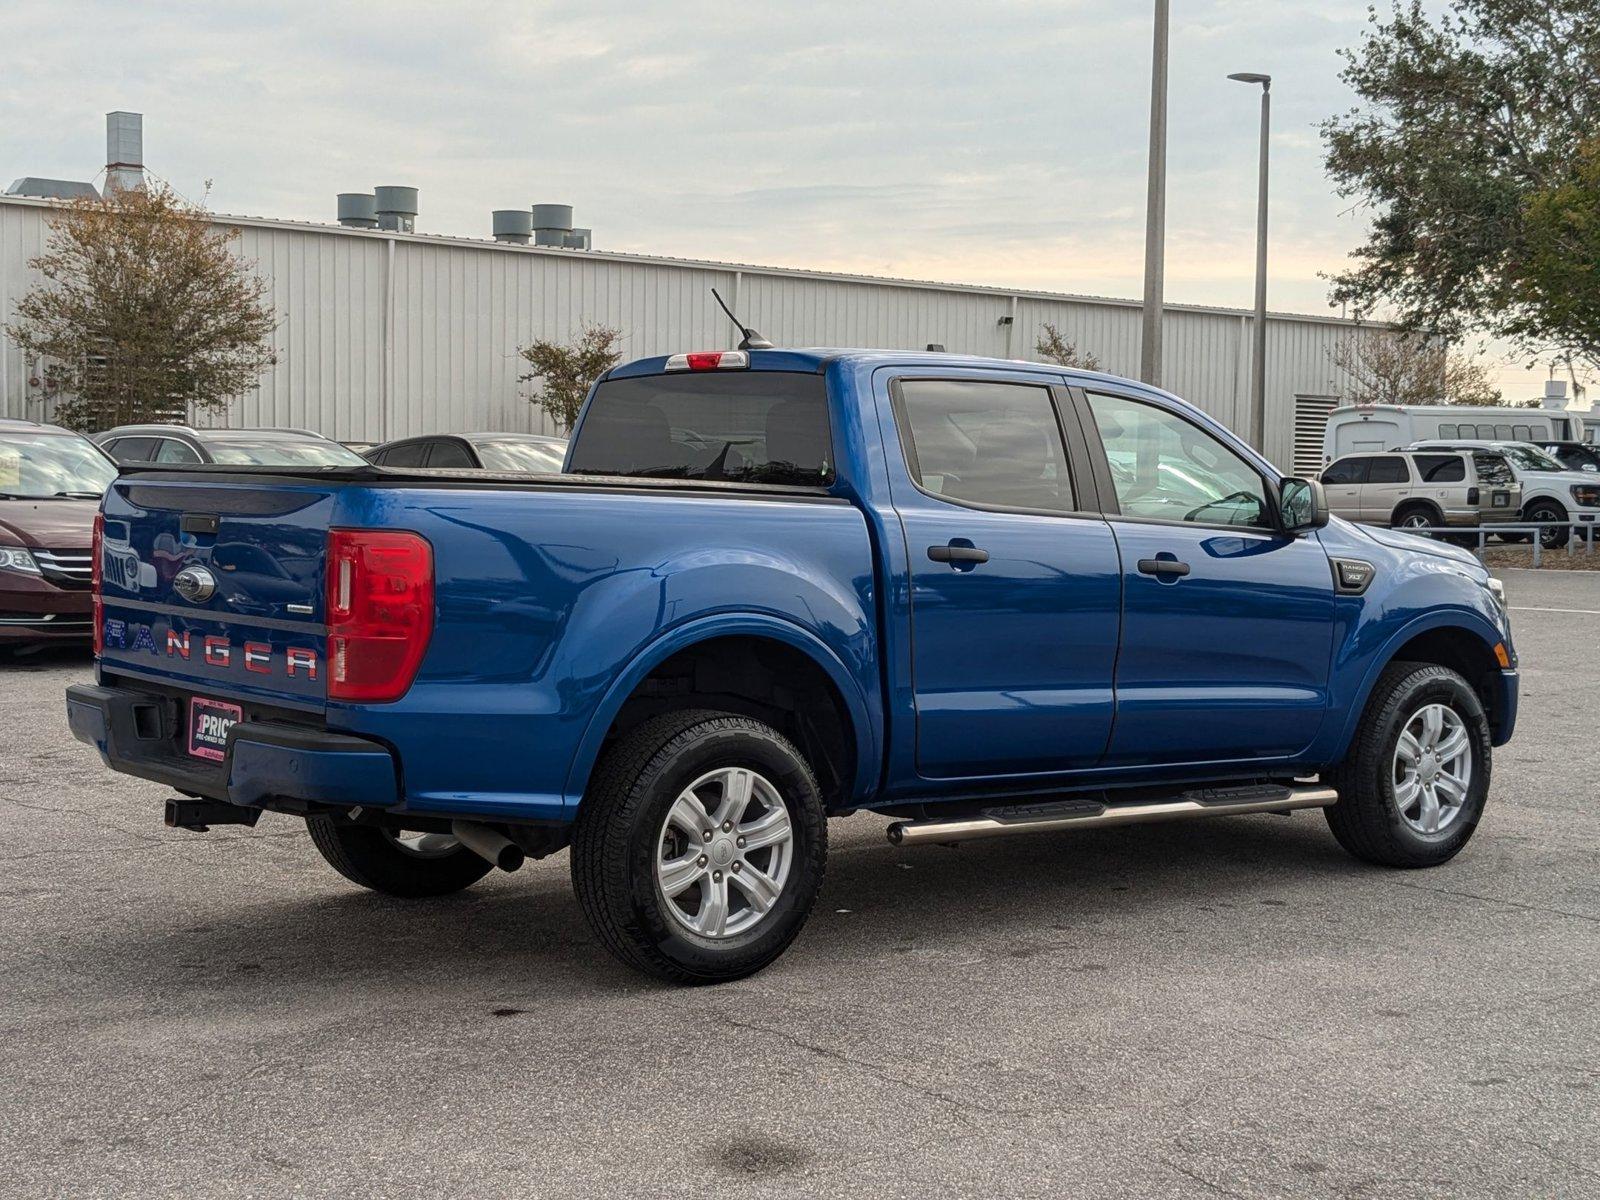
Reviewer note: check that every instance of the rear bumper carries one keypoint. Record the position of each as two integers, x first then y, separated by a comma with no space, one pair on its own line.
268,764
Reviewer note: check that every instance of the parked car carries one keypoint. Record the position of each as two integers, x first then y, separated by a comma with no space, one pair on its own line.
910,583
1424,490
1550,492
1574,456
514,453
1366,428
51,482
181,445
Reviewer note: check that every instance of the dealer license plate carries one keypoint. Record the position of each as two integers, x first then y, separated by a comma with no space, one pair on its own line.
209,722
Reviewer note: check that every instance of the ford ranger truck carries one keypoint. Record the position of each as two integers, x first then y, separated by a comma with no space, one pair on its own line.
772,587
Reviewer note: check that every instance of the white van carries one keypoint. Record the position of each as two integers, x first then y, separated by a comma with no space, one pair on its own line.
1377,427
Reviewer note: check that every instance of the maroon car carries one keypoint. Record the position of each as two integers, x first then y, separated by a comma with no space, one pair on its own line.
51,481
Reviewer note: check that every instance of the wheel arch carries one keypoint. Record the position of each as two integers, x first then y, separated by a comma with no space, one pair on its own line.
1427,506
1460,640
756,663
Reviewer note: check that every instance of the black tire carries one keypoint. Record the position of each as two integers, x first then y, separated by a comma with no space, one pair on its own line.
1410,512
1548,510
366,855
1367,820
617,839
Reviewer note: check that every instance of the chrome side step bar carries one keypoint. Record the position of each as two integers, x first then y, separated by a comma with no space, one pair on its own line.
1086,813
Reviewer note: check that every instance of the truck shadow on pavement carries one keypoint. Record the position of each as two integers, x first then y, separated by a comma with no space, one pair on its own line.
524,935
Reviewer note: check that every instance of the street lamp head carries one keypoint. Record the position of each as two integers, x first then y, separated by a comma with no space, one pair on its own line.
1252,77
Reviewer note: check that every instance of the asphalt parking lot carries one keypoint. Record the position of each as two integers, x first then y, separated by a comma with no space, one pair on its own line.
1230,1008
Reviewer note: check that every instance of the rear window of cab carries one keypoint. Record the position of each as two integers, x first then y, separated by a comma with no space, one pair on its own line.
767,427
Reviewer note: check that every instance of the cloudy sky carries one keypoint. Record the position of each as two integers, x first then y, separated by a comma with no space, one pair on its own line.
1001,143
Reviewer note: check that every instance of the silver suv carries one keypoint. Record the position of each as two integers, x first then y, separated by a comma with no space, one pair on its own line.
1419,489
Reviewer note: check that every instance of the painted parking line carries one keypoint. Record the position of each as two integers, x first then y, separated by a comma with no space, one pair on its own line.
1588,612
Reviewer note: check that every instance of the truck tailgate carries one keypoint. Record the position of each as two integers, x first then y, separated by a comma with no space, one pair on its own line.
217,589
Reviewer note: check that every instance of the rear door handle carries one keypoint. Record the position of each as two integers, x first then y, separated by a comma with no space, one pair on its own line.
957,554
1163,568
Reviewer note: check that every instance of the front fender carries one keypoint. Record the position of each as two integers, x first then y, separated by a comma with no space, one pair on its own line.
863,724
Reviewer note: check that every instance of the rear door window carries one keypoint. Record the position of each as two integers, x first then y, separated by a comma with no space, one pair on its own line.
447,452
1441,468
132,449
992,444
408,454
1389,468
172,450
768,427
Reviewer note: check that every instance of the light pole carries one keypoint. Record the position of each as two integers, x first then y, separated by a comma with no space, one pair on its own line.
1155,217
1258,358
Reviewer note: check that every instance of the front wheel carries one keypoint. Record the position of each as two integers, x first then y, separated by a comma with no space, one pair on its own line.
396,863
1551,537
1414,784
699,849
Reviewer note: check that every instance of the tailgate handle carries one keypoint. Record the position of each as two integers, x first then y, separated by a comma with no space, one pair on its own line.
199,522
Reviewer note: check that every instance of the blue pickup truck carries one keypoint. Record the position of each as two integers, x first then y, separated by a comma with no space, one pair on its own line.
776,586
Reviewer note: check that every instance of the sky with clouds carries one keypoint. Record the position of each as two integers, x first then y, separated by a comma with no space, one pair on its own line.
1002,143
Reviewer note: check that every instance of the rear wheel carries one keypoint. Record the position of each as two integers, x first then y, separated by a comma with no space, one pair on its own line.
396,863
699,849
1414,785
1414,518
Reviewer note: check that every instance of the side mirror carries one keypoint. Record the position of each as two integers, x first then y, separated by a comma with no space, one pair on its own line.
1302,505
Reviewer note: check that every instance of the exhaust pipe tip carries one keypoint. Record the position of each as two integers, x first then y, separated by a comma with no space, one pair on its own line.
489,844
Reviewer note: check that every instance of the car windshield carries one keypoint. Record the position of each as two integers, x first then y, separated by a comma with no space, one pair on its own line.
52,466
1529,458
280,451
541,458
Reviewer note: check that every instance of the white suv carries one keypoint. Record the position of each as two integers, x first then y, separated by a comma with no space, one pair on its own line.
1550,492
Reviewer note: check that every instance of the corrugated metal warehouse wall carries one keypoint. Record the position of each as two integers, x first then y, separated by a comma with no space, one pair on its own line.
438,351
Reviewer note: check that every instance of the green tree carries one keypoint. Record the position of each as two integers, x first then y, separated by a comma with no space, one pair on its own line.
1475,148
1052,347
142,309
565,371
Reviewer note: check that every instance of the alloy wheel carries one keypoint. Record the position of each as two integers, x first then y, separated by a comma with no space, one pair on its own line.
1432,769
724,852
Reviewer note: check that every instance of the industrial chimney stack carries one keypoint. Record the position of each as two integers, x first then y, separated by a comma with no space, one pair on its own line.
124,152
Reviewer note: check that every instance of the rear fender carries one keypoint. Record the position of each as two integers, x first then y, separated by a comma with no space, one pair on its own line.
862,726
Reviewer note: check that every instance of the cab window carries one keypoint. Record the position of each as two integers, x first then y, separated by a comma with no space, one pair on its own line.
1164,468
988,443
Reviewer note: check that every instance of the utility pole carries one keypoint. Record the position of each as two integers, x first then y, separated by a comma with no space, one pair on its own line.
1258,357
1155,219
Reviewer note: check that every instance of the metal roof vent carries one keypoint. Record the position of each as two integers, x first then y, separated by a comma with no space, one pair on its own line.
358,210
124,152
53,189
513,226
551,224
578,239
397,208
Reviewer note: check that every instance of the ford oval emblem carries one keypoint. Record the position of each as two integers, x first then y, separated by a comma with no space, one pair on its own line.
195,584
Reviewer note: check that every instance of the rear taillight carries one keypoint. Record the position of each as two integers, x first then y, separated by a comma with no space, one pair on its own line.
1472,495
97,605
379,612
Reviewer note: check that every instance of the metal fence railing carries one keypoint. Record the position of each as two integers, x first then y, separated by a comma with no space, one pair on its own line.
1582,534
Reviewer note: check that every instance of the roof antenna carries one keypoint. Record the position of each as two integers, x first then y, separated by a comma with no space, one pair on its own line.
752,339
